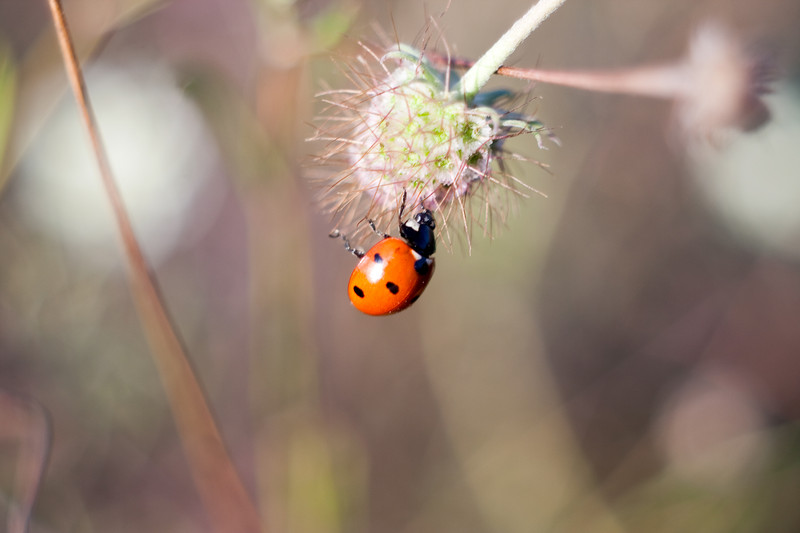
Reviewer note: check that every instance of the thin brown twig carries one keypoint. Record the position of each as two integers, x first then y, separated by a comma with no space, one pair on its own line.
656,81
221,490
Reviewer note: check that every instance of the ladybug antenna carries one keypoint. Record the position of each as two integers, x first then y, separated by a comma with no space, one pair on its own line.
358,252
402,208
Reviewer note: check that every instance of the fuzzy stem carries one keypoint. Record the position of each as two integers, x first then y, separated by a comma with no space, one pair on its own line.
221,490
480,73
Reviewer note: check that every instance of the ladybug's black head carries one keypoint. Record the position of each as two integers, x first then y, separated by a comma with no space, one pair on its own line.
419,233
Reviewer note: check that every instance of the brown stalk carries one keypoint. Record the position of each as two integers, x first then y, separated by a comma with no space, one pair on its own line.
658,81
661,81
224,497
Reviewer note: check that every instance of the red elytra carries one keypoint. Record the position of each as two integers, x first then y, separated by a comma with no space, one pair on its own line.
389,277
393,273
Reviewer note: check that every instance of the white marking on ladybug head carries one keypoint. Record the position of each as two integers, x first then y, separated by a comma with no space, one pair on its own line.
412,224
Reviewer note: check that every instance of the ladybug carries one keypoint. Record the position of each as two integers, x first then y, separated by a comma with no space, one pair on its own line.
391,275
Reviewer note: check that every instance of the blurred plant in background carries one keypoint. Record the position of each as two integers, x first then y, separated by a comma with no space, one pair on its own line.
622,358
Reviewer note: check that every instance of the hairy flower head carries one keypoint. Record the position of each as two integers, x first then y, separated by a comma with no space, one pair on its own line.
721,84
403,134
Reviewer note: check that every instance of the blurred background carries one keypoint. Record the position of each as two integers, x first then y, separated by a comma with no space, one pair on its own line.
623,356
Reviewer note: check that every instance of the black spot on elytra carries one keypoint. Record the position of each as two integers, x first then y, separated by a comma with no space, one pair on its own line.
378,258
358,291
393,288
414,299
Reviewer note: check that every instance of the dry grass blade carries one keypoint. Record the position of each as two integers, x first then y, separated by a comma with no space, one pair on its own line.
225,499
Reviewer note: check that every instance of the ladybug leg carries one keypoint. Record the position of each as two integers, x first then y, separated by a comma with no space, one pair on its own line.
335,234
378,232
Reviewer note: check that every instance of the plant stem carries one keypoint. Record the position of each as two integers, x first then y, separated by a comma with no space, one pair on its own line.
222,492
662,81
483,69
